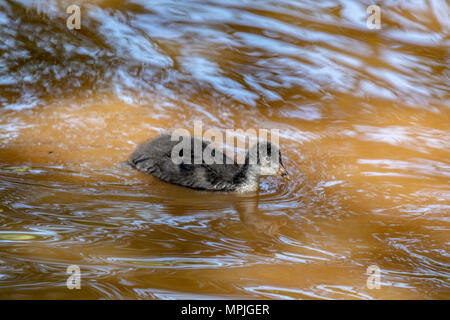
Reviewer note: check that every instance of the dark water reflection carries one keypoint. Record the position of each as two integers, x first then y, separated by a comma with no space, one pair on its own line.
364,123
245,52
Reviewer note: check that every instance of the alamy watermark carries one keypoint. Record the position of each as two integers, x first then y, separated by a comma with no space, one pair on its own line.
74,20
374,19
192,151
74,280
373,281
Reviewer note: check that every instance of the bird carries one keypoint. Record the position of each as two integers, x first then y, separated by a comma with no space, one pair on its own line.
163,158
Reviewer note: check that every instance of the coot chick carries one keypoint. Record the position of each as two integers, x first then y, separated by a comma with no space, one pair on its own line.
156,157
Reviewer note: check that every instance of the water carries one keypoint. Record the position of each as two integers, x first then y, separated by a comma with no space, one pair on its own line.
364,124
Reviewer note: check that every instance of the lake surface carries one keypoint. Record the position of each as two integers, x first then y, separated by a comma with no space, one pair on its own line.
364,120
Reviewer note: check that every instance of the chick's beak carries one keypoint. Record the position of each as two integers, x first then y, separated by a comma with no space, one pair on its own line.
282,172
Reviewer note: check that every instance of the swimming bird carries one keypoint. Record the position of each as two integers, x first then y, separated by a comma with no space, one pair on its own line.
164,159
